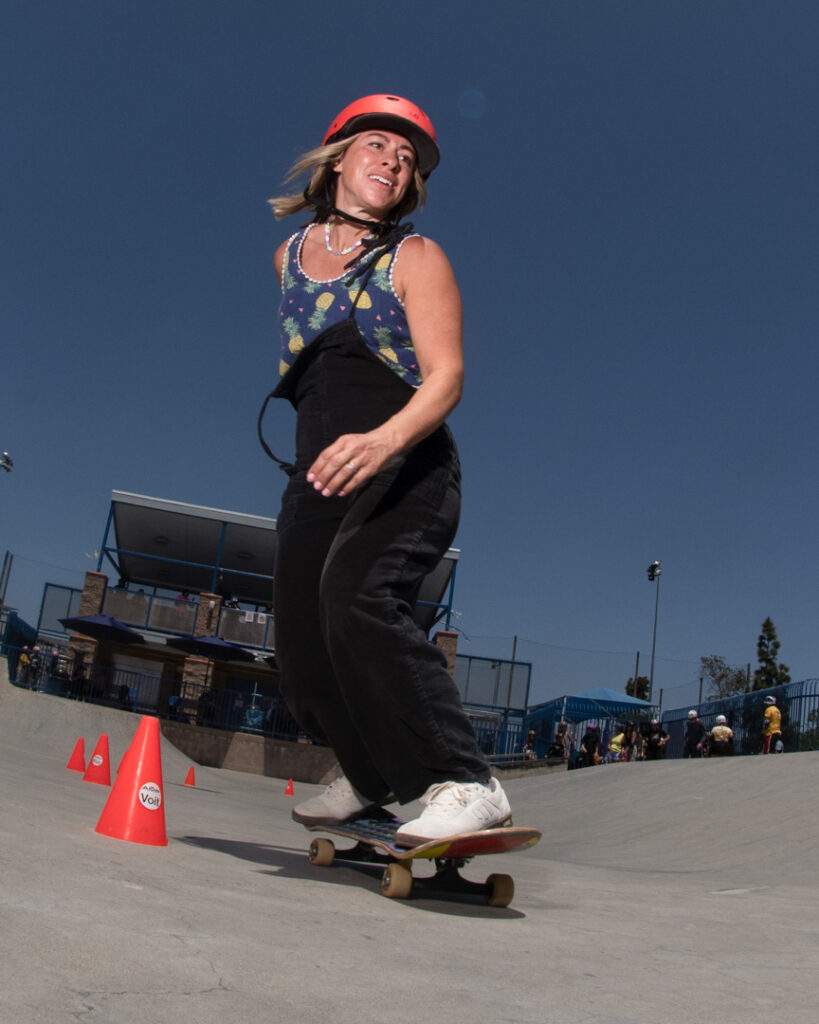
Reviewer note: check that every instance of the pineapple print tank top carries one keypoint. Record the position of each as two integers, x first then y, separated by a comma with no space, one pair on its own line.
309,306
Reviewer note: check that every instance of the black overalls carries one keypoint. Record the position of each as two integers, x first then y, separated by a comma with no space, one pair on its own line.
357,672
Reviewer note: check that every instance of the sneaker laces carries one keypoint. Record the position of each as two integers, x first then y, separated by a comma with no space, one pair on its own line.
448,796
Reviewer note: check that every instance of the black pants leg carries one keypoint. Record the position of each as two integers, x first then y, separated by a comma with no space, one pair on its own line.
356,670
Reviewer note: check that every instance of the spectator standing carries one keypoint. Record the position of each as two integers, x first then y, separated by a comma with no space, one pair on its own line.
35,668
655,742
633,747
771,730
590,746
721,738
617,746
694,736
23,667
565,739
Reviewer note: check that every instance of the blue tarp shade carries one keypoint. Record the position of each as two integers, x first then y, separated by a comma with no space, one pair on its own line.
595,703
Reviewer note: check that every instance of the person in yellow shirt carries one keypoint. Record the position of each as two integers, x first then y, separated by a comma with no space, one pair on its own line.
772,730
616,744
721,738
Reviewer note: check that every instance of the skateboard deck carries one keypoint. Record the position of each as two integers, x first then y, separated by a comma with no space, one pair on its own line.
374,836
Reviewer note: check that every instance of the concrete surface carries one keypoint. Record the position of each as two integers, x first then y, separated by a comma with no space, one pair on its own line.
660,892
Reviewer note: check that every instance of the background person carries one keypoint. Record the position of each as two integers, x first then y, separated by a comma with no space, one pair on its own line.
694,736
772,728
372,361
564,738
655,741
617,746
721,742
590,746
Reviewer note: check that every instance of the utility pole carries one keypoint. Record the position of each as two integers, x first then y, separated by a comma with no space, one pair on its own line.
5,572
512,670
654,573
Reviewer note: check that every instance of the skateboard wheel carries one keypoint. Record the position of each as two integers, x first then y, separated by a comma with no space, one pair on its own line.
396,882
501,890
321,852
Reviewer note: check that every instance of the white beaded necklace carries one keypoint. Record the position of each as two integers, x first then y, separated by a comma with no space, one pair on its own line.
341,252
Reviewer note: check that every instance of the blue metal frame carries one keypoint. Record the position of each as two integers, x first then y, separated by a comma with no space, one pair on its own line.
109,553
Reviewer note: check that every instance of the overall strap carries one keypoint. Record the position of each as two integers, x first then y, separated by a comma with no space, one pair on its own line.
376,248
287,467
361,274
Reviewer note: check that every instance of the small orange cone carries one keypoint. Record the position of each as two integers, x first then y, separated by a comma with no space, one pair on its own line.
190,778
289,790
99,767
76,763
135,809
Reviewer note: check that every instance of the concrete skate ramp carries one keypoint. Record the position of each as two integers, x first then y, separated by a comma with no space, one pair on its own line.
745,821
657,888
56,723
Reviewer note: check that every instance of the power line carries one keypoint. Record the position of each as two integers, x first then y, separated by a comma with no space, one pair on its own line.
579,650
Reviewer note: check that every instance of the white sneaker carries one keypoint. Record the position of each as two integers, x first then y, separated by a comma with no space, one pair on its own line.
454,807
339,802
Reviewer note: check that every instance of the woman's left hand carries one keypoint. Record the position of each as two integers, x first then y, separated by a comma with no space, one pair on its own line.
348,462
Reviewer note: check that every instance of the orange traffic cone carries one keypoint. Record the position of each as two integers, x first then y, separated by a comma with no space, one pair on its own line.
99,767
289,790
190,778
135,809
76,763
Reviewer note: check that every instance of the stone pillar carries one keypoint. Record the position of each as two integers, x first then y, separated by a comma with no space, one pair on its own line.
207,615
169,683
83,648
93,593
198,671
197,683
81,655
448,642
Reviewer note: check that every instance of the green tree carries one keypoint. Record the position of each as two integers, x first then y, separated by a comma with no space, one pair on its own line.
722,680
638,687
770,672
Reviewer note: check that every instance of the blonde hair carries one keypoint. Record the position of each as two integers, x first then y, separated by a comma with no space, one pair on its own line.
319,162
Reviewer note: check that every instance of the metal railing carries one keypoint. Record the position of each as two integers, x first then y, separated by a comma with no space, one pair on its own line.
798,703
245,626
499,731
492,682
256,708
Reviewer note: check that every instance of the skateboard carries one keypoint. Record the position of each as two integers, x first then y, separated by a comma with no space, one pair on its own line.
374,835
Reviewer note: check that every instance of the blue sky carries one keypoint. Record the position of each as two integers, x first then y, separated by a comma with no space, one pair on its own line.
628,196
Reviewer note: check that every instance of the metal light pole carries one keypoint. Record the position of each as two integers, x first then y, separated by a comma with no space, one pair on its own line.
654,573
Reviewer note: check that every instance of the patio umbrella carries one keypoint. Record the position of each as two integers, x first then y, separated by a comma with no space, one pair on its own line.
103,627
211,647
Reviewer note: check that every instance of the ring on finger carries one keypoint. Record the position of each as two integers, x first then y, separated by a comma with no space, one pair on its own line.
351,466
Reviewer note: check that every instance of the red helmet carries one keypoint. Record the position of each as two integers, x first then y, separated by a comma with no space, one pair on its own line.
391,113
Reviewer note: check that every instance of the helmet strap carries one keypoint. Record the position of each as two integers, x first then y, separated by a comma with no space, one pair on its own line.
383,233
325,207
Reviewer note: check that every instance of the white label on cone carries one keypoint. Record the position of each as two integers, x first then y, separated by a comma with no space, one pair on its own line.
97,760
150,796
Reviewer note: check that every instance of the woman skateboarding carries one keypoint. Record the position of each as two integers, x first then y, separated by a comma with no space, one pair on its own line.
372,361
